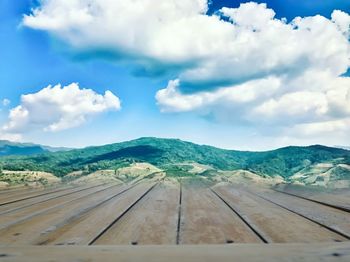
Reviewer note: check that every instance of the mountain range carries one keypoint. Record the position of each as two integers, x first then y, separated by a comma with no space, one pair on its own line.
172,155
13,148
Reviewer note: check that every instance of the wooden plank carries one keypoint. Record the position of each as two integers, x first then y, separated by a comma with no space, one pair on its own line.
152,221
22,189
25,190
336,198
15,188
274,223
22,214
30,230
37,200
329,217
332,252
8,199
206,219
85,229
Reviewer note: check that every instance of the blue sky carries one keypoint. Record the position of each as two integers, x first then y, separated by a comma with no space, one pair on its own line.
34,55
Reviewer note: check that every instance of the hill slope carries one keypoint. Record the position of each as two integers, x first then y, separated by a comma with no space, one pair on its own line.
12,148
164,153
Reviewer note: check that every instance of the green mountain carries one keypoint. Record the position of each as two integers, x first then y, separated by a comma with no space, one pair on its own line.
168,153
8,148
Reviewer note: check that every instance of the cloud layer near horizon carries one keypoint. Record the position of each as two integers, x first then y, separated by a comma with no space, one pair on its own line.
240,65
56,108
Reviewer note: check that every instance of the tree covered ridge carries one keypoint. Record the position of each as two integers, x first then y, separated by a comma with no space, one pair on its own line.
162,152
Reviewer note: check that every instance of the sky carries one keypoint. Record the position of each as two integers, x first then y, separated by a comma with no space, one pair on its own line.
233,74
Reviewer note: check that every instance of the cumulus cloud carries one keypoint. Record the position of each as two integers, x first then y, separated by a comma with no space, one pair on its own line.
240,64
244,95
342,20
56,108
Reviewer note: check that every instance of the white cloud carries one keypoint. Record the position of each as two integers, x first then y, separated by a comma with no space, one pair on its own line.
5,102
277,101
10,137
57,108
172,100
342,20
251,15
241,64
209,50
334,127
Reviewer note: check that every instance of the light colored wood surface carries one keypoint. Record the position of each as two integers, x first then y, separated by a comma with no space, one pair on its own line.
332,218
86,228
16,215
150,212
326,252
30,193
152,221
207,220
275,224
29,230
40,199
337,198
